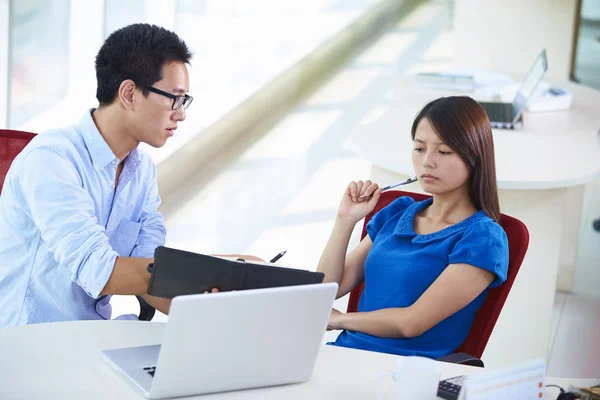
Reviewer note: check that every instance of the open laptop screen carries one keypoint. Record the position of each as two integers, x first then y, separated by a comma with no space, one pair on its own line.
534,76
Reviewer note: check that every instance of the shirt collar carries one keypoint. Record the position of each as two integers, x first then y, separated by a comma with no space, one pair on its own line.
99,150
132,159
406,223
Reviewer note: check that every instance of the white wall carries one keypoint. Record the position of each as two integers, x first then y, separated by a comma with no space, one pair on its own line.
4,24
590,9
587,271
84,47
507,35
570,246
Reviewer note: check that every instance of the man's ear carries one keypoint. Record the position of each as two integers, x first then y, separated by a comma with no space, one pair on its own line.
126,94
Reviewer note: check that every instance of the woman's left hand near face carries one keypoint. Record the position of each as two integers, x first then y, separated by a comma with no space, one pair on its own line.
359,200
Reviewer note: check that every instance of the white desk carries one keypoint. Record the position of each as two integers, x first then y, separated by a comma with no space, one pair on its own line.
541,170
62,361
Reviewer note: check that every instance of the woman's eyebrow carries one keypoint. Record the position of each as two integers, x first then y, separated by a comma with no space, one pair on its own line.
436,142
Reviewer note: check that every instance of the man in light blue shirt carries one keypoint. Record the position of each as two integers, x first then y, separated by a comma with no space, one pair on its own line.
78,210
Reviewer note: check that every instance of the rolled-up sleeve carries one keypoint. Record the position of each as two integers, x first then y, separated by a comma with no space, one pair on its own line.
152,232
64,213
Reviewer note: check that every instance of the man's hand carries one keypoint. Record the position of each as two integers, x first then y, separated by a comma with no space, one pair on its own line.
335,320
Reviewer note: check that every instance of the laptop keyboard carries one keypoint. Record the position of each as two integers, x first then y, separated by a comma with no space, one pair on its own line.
498,112
150,370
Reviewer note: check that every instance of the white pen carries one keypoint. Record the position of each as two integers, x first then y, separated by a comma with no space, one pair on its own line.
405,182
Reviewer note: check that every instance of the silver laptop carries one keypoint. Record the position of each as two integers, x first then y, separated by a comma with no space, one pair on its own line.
509,115
233,340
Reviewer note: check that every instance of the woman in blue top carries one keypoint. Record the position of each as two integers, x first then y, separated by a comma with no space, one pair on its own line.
427,266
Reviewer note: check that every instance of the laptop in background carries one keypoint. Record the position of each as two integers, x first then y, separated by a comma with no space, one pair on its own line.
231,340
509,115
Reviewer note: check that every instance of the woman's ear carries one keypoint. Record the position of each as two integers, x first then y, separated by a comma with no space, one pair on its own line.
126,94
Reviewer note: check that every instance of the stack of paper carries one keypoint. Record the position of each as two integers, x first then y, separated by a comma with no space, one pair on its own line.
484,83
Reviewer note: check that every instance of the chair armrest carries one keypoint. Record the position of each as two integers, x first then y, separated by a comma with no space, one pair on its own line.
146,310
462,358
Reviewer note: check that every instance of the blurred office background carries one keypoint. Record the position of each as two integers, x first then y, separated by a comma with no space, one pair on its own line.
277,184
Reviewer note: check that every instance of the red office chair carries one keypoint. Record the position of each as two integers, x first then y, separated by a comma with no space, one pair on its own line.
470,351
11,144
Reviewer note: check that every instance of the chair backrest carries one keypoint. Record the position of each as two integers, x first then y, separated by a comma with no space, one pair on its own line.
487,315
11,144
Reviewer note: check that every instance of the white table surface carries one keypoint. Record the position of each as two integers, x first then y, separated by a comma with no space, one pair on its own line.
62,361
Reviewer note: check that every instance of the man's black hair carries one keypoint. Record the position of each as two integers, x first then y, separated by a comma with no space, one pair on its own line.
137,52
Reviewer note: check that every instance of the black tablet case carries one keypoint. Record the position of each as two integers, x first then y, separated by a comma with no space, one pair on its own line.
177,272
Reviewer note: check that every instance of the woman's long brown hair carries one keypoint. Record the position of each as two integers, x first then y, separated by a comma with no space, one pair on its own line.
463,125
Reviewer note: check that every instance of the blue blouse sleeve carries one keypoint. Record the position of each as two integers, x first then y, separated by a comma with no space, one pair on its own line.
483,245
396,207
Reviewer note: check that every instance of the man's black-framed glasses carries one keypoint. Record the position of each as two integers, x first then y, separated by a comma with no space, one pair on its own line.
178,101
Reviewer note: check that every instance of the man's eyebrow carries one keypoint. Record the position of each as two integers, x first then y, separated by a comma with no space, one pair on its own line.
179,90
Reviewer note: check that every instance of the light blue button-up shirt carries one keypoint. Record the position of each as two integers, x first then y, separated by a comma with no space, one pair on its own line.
62,225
